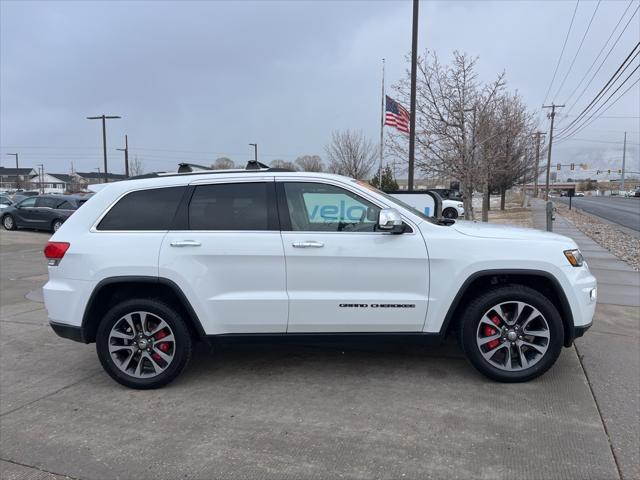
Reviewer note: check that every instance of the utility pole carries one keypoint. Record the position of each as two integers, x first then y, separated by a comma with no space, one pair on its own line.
381,130
552,115
104,119
624,159
126,156
538,134
17,176
255,151
40,177
412,113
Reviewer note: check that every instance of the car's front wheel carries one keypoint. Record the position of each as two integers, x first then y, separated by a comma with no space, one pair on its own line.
450,213
143,343
511,333
8,222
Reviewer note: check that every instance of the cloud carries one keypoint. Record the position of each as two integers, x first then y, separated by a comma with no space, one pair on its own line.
197,80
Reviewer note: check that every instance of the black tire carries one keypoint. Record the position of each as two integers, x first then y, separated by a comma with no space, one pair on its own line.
450,212
9,219
56,224
183,342
510,293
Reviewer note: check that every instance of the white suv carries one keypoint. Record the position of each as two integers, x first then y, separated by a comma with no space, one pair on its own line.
148,266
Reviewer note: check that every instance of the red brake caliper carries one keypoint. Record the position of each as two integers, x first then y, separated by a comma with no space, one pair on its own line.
164,346
489,331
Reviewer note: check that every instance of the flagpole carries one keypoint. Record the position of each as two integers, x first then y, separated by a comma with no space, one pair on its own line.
381,130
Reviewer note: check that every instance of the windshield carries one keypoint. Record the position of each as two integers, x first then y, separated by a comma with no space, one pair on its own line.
394,200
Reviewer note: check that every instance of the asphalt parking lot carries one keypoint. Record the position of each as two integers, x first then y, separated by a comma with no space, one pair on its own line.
305,411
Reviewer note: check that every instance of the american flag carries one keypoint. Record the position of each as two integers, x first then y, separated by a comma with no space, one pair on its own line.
396,115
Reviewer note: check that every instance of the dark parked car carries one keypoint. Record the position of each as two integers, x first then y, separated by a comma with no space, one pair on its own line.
44,212
5,202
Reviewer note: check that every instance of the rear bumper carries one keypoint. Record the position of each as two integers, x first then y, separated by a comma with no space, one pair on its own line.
71,332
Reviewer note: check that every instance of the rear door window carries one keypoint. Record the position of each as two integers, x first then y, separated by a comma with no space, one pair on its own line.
65,205
151,209
233,206
46,202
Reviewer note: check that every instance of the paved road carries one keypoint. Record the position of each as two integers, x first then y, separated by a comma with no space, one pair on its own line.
620,210
296,411
613,377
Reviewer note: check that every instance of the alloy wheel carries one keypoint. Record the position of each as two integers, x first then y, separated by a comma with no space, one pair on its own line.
8,222
142,344
513,336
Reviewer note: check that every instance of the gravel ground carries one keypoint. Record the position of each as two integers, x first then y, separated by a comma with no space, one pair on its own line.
622,245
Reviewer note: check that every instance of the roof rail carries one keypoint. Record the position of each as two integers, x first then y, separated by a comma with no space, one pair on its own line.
255,165
191,167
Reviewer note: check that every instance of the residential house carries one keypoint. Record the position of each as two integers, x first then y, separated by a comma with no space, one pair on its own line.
89,178
14,178
51,183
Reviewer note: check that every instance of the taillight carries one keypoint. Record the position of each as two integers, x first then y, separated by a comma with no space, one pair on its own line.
54,251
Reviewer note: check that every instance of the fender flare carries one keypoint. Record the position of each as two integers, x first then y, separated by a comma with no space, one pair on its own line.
86,320
564,308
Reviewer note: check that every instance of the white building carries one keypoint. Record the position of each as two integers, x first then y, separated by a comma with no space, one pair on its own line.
50,182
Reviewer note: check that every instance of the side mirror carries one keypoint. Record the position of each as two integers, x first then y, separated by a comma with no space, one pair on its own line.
390,220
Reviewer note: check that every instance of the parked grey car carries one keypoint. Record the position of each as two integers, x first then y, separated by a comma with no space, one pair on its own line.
44,212
5,202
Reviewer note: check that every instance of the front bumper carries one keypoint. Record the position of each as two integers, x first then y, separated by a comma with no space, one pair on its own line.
576,332
71,332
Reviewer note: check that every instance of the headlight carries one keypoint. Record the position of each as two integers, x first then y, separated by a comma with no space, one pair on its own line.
575,257
460,205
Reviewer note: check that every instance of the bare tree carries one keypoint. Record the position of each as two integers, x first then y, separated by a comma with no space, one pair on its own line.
136,167
351,154
467,130
283,164
223,163
450,104
309,163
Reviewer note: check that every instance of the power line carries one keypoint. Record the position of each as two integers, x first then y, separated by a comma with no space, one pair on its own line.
580,128
621,69
577,51
599,108
601,50
555,72
597,141
600,66
608,116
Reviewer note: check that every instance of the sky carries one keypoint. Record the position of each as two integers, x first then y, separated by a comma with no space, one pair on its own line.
196,80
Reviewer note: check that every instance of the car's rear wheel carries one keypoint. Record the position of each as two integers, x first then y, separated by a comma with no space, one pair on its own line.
143,343
8,222
512,333
450,213
55,226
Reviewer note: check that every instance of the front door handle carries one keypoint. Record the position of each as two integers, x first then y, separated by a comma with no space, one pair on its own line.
308,244
185,243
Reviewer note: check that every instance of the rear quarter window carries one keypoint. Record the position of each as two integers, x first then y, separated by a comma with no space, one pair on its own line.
151,209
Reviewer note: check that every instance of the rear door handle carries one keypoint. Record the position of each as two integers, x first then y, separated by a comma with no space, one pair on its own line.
185,243
308,244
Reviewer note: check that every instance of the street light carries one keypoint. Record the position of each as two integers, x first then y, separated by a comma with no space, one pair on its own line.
104,139
14,155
